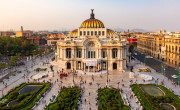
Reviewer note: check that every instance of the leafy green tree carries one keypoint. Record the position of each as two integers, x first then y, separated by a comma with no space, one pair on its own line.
0,56
131,47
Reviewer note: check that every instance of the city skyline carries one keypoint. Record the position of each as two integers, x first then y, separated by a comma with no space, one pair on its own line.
64,15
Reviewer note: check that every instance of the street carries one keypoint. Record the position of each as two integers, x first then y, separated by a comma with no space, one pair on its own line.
156,65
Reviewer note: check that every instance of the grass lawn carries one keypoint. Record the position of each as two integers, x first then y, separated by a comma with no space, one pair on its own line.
23,101
110,99
150,101
67,99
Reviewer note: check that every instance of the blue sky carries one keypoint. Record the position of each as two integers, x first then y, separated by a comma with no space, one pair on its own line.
69,14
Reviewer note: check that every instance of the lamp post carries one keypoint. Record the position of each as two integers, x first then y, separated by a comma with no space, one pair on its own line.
98,85
73,68
179,76
145,60
61,83
2,92
118,84
107,71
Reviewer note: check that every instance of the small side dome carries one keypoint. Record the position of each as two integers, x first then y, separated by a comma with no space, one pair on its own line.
74,32
110,32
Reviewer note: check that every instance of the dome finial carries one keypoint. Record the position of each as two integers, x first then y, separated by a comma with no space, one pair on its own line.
92,14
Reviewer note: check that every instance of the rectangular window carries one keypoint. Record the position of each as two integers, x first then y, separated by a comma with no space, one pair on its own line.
99,33
78,53
80,33
104,53
103,33
88,33
94,55
92,33
84,33
91,54
88,54
95,32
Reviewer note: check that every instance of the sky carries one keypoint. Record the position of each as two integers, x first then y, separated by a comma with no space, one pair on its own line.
64,15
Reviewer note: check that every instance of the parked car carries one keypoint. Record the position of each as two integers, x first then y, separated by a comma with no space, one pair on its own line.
174,76
52,98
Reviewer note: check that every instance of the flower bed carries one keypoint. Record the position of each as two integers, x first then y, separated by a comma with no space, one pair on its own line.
150,102
110,99
67,99
144,70
26,101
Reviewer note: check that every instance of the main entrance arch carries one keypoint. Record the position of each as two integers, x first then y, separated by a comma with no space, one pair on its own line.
68,65
114,66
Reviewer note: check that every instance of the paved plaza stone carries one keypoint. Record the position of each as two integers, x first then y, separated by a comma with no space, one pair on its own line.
90,90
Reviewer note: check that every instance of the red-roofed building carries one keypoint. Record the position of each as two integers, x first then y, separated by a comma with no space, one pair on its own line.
133,41
38,40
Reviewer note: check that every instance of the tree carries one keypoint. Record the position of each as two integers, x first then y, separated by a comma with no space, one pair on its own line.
14,59
131,48
0,56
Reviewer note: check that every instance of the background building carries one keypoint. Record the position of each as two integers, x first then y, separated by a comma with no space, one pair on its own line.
26,33
6,33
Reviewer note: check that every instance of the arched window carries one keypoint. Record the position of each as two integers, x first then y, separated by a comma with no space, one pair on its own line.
68,53
114,52
68,65
104,53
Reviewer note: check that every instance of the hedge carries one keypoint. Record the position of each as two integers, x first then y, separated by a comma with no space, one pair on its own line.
67,99
110,99
153,103
27,100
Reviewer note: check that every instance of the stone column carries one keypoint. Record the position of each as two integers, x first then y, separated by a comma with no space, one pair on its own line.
85,53
82,52
84,66
100,52
121,66
110,52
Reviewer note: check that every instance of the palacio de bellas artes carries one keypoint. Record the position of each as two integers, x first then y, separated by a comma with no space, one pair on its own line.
92,48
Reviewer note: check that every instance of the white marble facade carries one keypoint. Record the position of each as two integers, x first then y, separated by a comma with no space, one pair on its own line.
92,47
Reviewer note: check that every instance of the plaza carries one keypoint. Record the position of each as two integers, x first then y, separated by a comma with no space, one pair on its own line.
89,83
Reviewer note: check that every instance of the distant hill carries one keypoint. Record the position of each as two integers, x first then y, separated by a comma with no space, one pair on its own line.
136,30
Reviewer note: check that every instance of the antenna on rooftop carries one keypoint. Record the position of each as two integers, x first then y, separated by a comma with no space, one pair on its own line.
22,28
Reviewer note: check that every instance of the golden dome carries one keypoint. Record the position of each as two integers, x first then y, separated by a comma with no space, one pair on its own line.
51,37
110,32
74,32
92,22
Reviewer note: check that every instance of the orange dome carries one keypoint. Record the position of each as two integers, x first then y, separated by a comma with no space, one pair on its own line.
110,32
74,32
